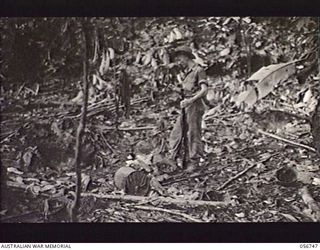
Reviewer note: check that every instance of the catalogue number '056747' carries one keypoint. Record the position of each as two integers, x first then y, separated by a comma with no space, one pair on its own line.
309,245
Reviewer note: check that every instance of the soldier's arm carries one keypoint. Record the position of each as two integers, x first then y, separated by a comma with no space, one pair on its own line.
202,81
201,93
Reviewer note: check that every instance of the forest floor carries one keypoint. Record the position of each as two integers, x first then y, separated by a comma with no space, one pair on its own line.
35,148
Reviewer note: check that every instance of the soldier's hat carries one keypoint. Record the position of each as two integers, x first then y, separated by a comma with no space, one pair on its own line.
184,50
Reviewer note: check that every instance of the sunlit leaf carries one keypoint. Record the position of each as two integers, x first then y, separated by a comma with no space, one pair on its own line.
14,170
47,187
225,52
147,58
177,33
85,179
111,53
27,158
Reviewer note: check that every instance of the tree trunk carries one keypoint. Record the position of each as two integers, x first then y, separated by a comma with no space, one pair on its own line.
315,127
82,124
247,46
3,194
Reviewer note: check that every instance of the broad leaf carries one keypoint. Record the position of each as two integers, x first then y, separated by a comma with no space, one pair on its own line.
267,77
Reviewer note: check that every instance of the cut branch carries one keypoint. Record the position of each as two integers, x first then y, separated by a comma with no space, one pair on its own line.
286,140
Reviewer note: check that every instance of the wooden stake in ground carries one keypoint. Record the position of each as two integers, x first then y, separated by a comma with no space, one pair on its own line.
82,125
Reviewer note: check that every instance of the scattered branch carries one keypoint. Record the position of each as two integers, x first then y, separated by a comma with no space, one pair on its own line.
179,177
171,181
286,140
15,217
9,136
311,203
297,116
20,89
245,170
235,177
106,105
107,143
103,128
167,211
209,117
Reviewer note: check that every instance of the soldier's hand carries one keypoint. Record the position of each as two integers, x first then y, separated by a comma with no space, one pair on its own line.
185,103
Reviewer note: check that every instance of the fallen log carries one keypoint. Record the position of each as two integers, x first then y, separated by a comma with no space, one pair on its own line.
144,199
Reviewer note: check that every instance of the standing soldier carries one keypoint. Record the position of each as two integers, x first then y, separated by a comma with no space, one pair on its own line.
195,88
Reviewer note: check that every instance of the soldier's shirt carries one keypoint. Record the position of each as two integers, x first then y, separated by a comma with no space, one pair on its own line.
193,80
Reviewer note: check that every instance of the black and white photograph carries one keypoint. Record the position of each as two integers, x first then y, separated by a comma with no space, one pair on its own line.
160,119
